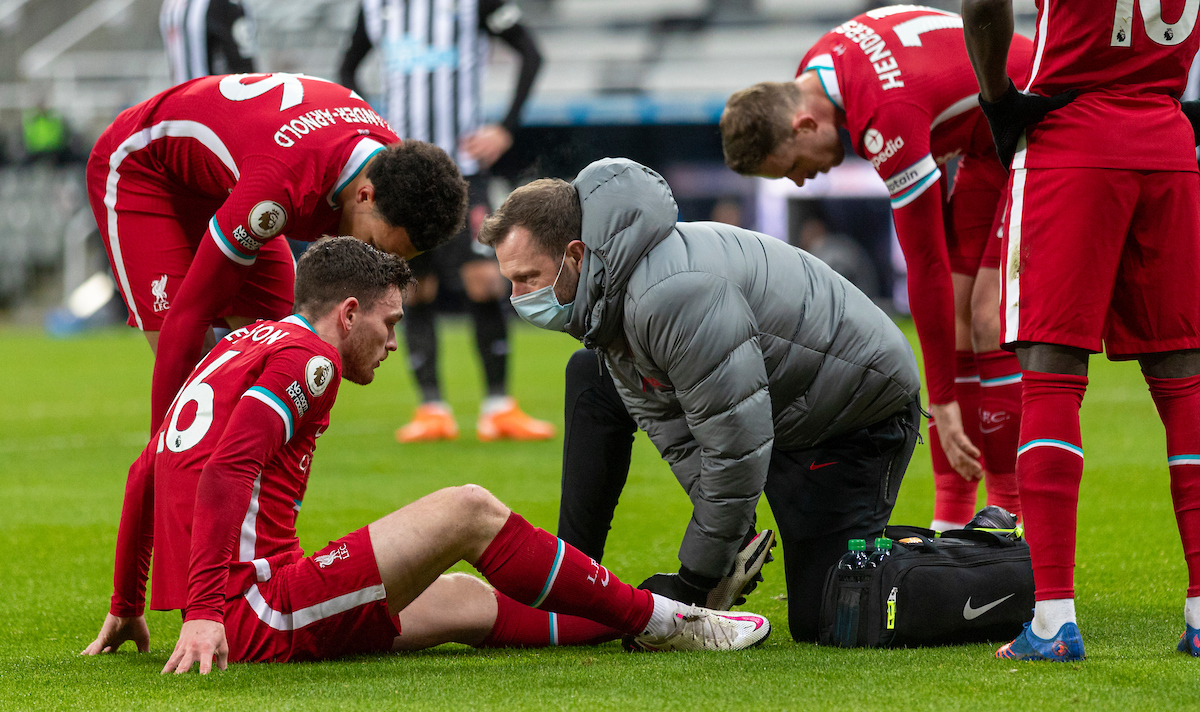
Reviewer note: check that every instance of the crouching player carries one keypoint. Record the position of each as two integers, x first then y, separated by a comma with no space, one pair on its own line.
217,491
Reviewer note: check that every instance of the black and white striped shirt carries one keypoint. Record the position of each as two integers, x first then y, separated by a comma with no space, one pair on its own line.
204,37
434,56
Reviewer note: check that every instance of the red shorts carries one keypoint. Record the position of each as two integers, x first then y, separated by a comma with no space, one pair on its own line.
325,606
1102,258
976,213
151,227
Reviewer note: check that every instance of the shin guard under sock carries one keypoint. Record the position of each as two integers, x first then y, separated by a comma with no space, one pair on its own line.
1049,468
491,338
1178,403
537,569
519,626
420,333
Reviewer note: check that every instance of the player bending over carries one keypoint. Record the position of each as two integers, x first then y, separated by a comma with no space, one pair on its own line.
217,491
192,188
899,80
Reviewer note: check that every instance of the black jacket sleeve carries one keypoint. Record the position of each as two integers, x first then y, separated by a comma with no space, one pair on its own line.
360,45
502,20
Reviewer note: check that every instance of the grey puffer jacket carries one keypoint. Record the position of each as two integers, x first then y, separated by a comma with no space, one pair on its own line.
725,343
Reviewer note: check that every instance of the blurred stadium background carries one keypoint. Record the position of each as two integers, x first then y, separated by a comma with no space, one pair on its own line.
645,79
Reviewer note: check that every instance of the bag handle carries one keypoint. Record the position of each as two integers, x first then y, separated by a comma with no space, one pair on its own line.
995,537
900,532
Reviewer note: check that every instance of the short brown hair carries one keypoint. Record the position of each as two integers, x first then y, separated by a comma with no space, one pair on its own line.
335,268
755,121
548,208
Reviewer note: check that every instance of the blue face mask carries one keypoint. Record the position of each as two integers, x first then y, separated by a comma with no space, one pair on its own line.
541,307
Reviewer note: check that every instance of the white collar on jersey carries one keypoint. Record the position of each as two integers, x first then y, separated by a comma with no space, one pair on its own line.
299,321
823,64
364,151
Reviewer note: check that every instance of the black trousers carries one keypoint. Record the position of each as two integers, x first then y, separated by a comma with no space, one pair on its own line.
841,489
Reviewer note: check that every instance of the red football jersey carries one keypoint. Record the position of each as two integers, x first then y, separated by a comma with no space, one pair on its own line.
902,76
276,147
283,366
1129,59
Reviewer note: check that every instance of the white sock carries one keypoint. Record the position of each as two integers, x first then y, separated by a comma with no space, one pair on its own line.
1049,616
662,619
1191,611
493,404
941,525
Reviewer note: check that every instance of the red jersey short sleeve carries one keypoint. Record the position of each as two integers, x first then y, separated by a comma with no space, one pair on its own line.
1129,59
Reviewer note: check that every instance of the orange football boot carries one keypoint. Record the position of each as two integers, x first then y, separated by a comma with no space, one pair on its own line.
510,422
431,421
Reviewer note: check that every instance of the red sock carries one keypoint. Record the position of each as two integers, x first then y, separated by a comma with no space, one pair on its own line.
1049,468
1002,491
519,626
1178,402
1000,425
954,498
536,568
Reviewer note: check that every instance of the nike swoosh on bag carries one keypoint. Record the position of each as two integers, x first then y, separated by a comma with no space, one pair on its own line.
973,613
815,466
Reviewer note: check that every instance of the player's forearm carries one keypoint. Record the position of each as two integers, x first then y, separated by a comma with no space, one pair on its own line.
207,289
223,495
135,539
988,30
919,228
531,63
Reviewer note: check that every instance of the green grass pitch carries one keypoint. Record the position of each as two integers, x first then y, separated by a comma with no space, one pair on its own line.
75,415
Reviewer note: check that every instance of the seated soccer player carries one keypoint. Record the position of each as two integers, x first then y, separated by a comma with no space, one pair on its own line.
217,492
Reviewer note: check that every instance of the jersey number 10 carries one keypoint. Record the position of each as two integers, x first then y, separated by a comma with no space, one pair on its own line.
1163,33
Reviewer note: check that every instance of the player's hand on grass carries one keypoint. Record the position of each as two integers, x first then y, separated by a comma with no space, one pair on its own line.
116,631
488,144
199,642
960,451
1009,116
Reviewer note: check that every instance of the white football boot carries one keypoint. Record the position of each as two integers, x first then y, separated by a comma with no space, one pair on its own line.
744,576
696,628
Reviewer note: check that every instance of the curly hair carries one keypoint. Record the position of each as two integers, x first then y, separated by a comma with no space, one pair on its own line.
755,121
418,187
335,268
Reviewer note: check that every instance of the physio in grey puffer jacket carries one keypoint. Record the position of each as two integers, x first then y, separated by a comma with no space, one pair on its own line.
723,343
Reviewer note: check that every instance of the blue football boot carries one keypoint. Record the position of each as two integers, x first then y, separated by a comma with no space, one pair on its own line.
1065,646
1189,642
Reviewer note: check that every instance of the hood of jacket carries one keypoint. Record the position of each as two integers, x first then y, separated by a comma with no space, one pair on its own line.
627,210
